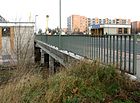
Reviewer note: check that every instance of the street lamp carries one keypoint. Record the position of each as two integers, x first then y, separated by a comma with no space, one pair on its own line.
47,17
35,24
60,13
60,23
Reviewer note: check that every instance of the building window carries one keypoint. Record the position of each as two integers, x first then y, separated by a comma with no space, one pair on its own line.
113,21
117,21
125,30
5,31
120,30
123,21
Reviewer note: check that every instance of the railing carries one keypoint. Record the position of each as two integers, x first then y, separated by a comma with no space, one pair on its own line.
119,50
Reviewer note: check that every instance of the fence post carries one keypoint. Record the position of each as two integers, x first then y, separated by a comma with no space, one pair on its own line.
110,47
121,52
107,48
114,49
134,53
125,52
117,57
129,53
59,40
104,49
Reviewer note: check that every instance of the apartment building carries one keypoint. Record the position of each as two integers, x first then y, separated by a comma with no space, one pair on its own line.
110,26
135,27
77,24
109,21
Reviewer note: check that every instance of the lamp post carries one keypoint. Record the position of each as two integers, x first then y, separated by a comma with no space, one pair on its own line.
35,24
47,17
60,14
60,23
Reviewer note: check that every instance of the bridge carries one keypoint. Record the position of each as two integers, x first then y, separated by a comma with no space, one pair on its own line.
122,51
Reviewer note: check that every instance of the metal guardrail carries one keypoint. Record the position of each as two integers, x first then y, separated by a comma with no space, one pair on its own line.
119,50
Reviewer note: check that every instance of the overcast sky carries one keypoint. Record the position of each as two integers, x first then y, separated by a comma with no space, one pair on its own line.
19,10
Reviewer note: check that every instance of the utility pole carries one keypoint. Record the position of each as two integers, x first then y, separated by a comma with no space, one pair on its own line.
60,23
60,13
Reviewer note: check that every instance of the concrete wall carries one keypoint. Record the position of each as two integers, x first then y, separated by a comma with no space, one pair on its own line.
4,48
19,46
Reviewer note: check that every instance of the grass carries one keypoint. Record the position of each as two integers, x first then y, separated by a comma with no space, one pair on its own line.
5,75
83,82
89,82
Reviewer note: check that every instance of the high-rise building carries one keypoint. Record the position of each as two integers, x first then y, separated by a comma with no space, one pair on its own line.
77,24
89,22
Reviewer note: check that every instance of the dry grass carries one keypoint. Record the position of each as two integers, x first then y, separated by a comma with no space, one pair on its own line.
21,80
83,82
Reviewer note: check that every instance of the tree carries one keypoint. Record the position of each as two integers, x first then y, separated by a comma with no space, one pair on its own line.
40,31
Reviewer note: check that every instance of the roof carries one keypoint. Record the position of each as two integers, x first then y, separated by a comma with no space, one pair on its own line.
110,26
17,23
2,19
116,26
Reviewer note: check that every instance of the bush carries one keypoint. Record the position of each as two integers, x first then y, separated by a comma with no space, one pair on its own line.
83,82
88,82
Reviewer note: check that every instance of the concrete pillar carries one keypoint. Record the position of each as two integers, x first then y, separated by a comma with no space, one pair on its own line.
12,38
122,30
46,60
56,66
51,65
37,55
42,56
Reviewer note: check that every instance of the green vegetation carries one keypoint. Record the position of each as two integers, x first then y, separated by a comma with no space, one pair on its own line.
83,82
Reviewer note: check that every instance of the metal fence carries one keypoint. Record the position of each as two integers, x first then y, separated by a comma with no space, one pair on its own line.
120,50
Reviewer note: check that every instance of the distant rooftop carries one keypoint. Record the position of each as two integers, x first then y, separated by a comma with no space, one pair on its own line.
2,19
6,24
